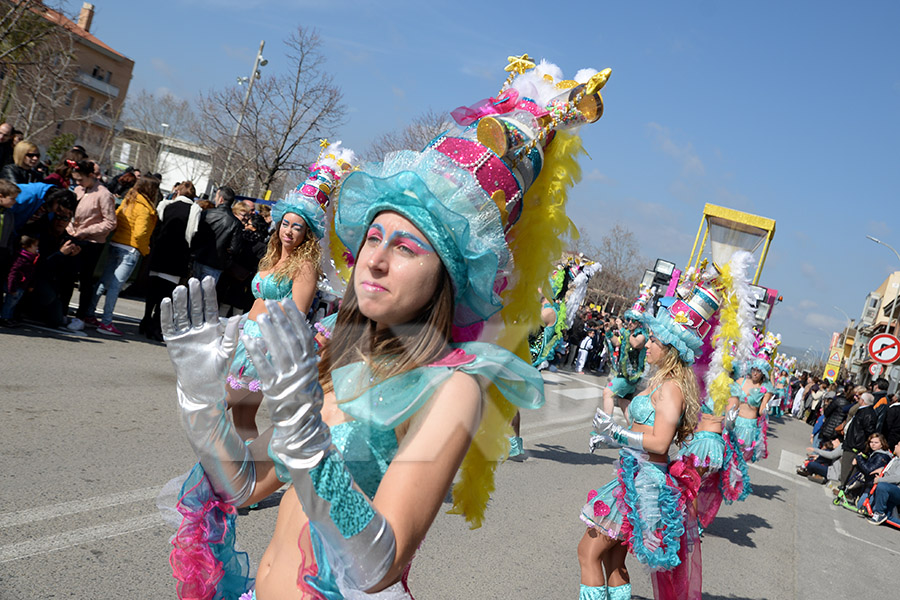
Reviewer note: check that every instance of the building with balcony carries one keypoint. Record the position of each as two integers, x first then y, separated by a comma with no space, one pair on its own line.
76,85
878,316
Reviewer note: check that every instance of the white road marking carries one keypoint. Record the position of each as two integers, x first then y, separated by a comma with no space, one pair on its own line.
788,461
840,530
795,480
583,381
551,377
78,536
580,393
545,434
41,513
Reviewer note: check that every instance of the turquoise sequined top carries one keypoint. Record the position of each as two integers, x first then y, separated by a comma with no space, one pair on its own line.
753,397
642,410
369,443
270,288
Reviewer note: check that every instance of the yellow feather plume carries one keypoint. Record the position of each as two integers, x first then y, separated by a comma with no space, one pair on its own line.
729,334
543,218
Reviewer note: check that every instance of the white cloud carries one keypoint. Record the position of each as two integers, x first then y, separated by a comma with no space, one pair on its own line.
806,304
823,322
596,175
682,153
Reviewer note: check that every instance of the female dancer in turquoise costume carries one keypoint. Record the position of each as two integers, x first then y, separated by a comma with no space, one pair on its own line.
371,436
290,269
750,395
664,415
632,351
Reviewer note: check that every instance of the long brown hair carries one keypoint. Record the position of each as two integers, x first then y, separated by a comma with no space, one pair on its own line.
308,251
674,369
396,349
146,186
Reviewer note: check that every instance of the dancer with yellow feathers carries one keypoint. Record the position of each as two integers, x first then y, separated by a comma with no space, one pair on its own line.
411,387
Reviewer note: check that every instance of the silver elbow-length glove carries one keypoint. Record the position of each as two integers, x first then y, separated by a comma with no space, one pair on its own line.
200,347
338,510
610,433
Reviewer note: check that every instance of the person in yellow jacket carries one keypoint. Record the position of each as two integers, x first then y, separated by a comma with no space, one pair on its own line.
135,220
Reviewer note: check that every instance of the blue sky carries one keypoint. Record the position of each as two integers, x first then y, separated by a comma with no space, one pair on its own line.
788,110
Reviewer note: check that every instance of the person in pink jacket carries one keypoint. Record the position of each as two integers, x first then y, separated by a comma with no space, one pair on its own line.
94,220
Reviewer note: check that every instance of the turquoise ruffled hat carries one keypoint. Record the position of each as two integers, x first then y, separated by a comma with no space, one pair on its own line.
671,333
446,203
305,207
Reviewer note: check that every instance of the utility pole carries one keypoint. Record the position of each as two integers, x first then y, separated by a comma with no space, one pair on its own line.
254,75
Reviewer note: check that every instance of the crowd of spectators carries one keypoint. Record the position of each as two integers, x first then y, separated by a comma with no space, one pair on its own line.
63,225
855,442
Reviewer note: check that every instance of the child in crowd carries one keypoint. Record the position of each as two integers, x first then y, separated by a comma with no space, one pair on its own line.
586,345
20,277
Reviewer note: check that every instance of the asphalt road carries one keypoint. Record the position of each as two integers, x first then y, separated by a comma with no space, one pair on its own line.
90,433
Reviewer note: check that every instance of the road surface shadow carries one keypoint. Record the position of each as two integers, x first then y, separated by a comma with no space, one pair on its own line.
737,529
769,492
561,454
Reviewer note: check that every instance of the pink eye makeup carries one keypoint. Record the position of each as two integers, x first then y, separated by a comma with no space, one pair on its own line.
402,239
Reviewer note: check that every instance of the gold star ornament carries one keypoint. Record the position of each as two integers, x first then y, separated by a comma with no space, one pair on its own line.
519,64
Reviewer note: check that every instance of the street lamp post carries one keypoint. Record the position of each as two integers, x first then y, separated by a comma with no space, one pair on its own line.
896,294
254,75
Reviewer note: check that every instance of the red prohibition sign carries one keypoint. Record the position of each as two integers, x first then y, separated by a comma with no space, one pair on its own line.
884,348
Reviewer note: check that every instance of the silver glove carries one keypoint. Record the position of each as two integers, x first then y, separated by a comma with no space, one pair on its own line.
730,418
612,434
339,511
200,347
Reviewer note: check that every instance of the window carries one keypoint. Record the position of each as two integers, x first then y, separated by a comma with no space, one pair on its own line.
108,76
89,104
69,97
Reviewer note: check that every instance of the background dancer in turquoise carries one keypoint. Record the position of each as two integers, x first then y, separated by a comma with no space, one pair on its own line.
629,345
291,268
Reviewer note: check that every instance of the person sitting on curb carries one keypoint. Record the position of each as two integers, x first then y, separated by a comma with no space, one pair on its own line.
887,492
826,465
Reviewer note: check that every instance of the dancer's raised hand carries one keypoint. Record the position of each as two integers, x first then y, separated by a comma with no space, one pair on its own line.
200,345
290,384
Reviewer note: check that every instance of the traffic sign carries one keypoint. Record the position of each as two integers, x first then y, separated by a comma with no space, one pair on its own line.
835,357
875,369
831,372
884,348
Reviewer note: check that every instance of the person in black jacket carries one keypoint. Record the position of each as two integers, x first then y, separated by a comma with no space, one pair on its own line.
218,238
858,431
26,158
834,414
891,428
170,256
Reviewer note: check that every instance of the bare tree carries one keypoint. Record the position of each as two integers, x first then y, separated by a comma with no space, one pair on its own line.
283,120
623,266
38,88
415,136
21,29
154,119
